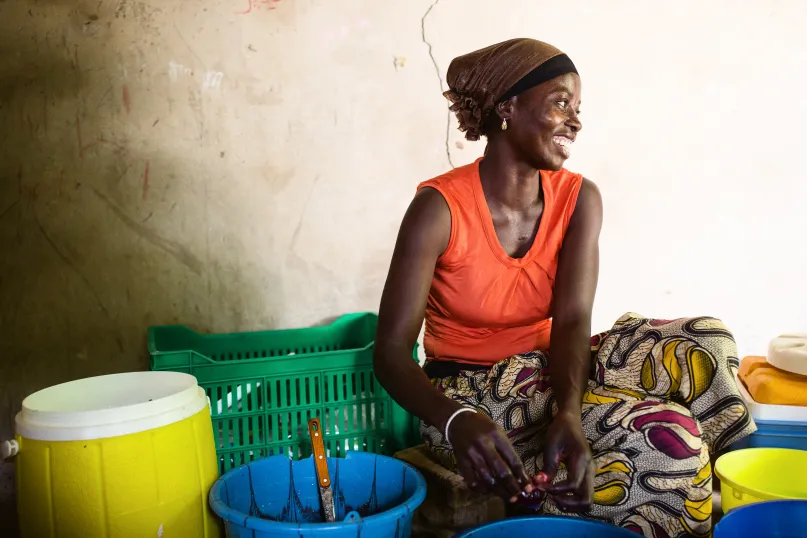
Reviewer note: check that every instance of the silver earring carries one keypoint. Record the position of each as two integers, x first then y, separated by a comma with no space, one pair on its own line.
504,125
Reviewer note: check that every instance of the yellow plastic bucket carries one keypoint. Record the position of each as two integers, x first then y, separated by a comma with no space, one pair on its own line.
761,474
124,455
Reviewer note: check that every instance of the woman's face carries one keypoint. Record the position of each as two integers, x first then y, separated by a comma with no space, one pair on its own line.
543,122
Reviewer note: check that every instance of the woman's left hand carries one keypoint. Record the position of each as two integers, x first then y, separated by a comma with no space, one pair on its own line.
566,443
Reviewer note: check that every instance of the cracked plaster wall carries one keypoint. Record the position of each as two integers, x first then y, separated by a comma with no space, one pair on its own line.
244,164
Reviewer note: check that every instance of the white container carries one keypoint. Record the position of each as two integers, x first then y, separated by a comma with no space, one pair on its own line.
109,406
770,412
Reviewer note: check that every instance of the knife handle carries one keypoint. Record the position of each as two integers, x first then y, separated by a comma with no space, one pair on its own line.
320,461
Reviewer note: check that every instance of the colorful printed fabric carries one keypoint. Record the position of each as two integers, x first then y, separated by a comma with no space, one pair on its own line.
662,396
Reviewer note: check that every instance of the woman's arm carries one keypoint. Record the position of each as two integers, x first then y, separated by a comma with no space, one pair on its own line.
484,455
423,237
575,286
570,351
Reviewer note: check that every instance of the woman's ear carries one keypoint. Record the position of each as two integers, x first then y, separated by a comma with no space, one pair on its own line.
505,109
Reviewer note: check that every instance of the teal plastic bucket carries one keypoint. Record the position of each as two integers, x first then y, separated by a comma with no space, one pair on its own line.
374,496
540,526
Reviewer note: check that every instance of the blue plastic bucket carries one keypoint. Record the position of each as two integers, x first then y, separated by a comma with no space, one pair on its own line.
374,496
774,519
547,526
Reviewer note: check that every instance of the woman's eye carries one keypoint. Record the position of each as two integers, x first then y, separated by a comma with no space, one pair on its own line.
563,103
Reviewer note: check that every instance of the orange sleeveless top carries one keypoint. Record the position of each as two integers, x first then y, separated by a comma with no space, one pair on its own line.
485,306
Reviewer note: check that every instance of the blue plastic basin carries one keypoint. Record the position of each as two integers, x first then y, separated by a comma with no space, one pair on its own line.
774,519
374,496
547,526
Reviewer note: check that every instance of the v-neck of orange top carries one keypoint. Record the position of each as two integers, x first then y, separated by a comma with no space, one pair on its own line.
490,230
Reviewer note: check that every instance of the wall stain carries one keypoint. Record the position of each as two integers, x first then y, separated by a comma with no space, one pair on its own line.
126,99
179,252
101,140
45,111
146,182
196,106
78,137
76,63
120,9
256,5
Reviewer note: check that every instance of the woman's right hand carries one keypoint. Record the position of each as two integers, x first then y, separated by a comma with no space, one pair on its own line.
485,457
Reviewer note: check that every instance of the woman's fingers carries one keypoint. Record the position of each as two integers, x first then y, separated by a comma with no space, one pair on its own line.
576,499
577,468
485,451
552,453
487,474
468,472
480,466
513,462
572,503
505,480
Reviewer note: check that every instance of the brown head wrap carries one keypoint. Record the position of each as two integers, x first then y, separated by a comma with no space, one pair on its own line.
480,79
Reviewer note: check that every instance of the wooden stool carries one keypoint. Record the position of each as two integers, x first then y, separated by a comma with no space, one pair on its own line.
449,506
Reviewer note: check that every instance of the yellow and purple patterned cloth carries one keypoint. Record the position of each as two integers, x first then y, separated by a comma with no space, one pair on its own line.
661,398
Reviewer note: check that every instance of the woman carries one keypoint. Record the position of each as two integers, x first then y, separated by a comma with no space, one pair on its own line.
501,257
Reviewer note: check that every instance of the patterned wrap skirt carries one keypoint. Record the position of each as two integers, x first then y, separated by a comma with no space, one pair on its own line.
661,397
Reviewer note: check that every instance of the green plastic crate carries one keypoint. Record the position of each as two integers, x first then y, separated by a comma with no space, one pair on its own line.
265,386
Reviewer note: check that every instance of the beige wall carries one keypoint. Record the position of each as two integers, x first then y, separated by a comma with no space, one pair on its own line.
165,161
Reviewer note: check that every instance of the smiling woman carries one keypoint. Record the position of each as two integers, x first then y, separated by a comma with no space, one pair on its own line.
501,258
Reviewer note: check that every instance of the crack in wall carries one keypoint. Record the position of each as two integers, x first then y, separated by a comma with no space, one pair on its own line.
9,208
177,250
62,256
439,77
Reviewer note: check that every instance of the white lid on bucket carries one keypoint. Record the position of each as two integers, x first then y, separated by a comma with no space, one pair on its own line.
109,406
788,352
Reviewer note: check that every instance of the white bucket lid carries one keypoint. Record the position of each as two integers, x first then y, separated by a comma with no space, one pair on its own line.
789,353
109,406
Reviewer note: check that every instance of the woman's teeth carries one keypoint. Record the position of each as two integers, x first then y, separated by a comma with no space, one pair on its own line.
563,141
564,144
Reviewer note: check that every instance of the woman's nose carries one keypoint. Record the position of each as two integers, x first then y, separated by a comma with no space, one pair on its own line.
574,122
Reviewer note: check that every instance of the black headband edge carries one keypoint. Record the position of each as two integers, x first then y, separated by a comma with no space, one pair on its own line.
553,67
